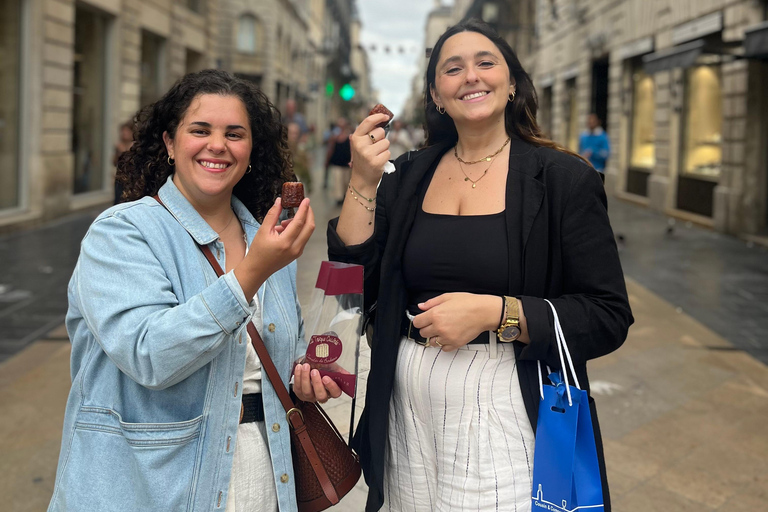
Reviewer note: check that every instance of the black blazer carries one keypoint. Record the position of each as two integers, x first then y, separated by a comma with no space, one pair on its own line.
561,247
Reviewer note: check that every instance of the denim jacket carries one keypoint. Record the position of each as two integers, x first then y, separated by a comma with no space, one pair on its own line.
158,354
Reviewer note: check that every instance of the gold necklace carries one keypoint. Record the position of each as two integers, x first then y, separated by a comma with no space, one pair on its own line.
486,159
228,223
474,182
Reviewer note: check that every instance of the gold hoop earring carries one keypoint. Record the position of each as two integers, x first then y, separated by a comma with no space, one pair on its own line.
249,169
171,161
438,107
512,97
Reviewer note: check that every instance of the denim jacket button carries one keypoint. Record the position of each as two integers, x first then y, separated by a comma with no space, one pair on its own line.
284,478
276,427
271,327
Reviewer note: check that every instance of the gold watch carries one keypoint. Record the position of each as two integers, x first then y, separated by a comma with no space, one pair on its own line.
509,330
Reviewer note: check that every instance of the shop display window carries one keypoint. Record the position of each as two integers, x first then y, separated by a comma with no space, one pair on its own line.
10,15
572,115
642,144
88,134
703,140
545,111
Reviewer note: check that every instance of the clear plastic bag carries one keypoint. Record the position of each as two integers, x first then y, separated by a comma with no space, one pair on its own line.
333,323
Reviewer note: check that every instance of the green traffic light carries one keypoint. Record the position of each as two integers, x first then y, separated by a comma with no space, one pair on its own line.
347,92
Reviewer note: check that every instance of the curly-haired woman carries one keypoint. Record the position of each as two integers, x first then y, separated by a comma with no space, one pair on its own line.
168,409
468,238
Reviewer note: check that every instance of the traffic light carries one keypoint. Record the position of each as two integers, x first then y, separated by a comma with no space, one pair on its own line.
347,92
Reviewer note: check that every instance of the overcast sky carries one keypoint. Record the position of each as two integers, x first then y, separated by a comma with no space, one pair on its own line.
394,23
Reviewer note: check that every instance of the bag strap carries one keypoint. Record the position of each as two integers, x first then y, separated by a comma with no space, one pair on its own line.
293,414
562,347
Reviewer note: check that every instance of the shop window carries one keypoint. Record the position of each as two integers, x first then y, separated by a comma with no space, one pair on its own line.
246,34
10,39
89,101
702,143
642,144
195,61
571,116
545,111
152,66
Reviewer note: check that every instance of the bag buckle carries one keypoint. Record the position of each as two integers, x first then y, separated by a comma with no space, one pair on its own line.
292,411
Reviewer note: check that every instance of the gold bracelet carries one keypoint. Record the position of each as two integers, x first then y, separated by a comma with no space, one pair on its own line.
370,200
351,191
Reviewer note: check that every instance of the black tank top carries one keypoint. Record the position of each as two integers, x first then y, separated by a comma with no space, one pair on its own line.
341,153
455,253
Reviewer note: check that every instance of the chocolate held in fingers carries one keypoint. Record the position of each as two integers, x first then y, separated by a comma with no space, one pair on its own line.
381,109
293,194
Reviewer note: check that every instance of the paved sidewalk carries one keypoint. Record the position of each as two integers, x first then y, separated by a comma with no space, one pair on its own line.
683,420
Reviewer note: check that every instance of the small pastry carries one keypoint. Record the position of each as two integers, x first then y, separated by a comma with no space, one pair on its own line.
293,194
381,109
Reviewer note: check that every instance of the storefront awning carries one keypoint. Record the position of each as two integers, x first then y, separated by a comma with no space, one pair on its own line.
756,41
682,56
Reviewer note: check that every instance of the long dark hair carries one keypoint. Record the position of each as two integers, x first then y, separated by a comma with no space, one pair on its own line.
520,114
144,168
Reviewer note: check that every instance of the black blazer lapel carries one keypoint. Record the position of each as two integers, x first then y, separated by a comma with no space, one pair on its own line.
525,195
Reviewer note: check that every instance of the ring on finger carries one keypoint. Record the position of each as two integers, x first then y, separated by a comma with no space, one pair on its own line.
373,138
437,342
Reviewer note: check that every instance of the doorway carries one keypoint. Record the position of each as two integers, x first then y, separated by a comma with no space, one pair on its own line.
599,104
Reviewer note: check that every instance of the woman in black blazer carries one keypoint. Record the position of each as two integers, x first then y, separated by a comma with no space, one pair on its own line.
489,209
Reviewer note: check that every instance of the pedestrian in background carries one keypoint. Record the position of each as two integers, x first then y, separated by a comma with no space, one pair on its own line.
462,244
167,408
301,164
594,145
399,140
124,143
291,115
337,159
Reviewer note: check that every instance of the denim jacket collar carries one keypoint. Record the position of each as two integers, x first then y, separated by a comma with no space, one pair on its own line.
192,221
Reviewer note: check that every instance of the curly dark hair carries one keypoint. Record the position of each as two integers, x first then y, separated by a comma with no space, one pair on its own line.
144,168
520,114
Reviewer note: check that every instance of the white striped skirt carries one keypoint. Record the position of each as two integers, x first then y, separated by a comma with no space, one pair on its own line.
459,436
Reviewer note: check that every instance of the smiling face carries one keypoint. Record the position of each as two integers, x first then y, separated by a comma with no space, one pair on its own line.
472,79
211,147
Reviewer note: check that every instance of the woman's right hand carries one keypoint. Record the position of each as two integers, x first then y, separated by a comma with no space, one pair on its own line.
369,157
275,246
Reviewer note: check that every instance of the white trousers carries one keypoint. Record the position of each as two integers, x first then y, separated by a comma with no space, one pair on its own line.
252,485
459,436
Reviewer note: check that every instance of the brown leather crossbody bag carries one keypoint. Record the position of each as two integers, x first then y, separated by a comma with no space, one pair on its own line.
325,468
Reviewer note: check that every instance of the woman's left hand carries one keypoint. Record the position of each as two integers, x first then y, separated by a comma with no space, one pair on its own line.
457,318
308,386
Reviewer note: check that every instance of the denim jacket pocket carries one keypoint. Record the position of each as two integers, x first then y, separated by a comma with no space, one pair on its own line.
115,461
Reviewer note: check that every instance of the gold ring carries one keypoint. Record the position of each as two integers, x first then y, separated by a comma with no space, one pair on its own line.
438,343
373,139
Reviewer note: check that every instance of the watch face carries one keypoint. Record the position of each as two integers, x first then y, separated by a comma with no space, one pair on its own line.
510,333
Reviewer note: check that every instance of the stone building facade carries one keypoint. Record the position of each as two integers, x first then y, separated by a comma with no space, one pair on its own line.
680,87
70,74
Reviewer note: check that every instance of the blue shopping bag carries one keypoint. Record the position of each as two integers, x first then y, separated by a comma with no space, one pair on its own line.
566,473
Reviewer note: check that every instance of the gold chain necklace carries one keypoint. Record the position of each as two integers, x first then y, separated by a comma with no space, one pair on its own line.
486,159
474,182
228,223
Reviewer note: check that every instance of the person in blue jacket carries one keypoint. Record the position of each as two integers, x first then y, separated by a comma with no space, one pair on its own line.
168,410
594,145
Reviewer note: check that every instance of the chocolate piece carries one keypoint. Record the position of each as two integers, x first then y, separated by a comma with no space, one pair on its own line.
381,109
293,194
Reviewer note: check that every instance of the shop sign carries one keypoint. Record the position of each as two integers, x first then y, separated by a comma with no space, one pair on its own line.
697,28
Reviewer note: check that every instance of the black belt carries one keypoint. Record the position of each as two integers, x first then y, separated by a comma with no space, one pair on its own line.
253,409
409,331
